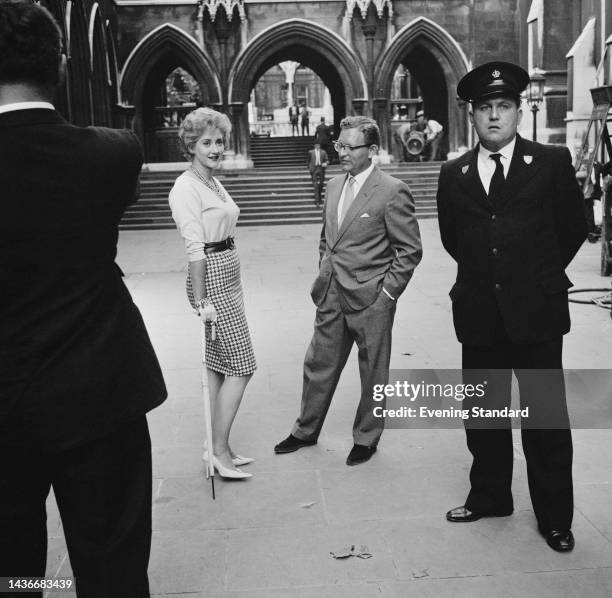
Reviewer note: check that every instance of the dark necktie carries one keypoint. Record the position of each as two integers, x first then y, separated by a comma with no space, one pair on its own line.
498,180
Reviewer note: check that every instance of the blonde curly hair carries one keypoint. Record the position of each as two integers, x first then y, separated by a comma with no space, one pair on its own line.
194,125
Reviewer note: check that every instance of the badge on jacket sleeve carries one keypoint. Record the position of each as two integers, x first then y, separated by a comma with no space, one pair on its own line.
465,168
528,159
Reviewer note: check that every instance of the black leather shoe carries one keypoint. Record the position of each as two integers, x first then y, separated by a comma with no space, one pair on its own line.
360,454
464,515
291,444
561,541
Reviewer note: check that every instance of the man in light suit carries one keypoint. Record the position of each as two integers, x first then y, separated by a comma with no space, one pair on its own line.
77,370
369,248
317,163
511,216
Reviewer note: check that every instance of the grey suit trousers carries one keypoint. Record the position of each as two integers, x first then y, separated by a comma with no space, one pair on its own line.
336,329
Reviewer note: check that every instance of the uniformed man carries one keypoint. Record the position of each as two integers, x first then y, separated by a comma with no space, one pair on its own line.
511,216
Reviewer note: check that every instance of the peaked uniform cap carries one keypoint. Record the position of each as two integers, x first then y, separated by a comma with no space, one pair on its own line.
493,79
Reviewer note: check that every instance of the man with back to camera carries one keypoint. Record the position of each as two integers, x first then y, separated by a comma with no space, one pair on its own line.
78,369
511,216
369,248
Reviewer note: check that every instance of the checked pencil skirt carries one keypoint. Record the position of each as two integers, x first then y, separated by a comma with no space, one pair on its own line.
231,353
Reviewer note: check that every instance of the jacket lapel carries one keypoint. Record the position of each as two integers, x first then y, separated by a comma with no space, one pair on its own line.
469,179
362,198
525,165
333,199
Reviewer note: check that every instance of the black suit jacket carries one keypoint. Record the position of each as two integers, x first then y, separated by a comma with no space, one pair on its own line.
322,134
512,253
75,357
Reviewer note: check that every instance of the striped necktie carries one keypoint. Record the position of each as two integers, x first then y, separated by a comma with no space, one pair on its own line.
349,196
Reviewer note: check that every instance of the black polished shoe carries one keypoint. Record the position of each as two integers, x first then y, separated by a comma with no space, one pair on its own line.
360,454
561,541
291,444
464,515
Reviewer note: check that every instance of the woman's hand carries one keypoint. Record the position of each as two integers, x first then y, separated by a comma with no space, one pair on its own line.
208,313
206,310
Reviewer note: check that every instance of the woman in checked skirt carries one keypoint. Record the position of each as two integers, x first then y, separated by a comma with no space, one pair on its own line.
206,216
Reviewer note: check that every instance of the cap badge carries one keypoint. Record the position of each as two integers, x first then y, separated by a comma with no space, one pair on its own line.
495,74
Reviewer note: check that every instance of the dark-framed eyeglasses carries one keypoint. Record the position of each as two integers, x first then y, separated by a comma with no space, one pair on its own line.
351,148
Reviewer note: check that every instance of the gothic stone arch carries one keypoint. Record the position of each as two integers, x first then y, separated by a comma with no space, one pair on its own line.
166,46
425,36
303,41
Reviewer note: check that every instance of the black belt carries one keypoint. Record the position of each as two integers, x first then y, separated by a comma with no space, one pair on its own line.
219,245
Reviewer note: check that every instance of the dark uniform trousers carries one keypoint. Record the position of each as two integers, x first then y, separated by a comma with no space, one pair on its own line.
336,329
547,447
103,492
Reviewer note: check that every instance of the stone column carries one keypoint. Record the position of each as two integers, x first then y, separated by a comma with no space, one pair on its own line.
381,116
222,30
289,67
368,27
239,118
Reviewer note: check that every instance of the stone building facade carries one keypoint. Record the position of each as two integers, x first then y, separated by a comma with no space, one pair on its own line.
122,51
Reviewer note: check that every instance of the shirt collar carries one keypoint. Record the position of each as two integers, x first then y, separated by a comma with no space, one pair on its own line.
505,151
362,176
26,106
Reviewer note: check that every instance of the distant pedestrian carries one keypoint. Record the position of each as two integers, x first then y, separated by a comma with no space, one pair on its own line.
323,136
305,119
77,369
317,163
206,217
294,119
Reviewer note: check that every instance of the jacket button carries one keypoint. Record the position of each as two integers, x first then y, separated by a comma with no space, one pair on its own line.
494,251
497,286
493,216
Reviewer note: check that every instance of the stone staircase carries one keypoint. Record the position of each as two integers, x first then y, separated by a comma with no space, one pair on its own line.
279,151
280,195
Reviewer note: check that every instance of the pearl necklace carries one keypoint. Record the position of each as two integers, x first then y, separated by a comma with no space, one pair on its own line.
210,183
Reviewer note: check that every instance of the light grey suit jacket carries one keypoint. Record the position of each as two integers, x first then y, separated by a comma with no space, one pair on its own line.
378,243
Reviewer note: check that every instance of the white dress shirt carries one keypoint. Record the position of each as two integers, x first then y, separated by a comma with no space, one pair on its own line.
486,165
357,185
433,129
25,106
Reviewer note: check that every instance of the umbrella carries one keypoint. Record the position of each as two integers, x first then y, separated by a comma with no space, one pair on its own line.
209,467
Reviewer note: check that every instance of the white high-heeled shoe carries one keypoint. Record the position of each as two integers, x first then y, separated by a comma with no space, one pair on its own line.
226,472
238,460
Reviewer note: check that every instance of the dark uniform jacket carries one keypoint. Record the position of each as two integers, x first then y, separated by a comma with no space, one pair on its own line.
75,357
512,252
